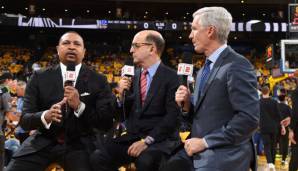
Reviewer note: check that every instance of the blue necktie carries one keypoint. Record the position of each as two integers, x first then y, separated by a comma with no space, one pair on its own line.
203,79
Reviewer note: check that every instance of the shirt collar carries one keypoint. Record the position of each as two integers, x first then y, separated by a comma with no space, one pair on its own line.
153,68
215,55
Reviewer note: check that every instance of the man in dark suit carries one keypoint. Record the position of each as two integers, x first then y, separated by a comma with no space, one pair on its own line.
270,119
151,111
293,130
64,136
225,110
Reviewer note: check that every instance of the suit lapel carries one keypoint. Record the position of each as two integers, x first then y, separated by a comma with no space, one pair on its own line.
156,80
211,76
59,81
136,87
82,80
196,92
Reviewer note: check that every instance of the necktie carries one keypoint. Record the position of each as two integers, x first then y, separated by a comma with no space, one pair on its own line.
143,85
204,76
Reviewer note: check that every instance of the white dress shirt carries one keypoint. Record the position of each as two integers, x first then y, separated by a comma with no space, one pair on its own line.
82,105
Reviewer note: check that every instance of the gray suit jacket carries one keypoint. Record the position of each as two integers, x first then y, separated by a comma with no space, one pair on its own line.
227,114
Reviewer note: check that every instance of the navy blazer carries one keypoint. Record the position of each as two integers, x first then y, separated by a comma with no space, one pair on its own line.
227,114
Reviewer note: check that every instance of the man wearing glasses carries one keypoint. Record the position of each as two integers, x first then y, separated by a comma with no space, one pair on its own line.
151,111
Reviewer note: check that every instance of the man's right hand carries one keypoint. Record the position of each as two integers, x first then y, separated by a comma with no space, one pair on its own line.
54,114
124,84
182,96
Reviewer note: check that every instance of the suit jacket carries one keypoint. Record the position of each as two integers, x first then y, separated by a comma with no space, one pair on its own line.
294,118
45,88
158,117
227,114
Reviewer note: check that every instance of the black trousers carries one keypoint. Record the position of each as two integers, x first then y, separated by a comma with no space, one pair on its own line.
284,146
72,159
114,154
270,141
2,151
293,165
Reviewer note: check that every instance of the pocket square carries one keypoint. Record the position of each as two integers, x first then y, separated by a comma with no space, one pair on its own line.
85,94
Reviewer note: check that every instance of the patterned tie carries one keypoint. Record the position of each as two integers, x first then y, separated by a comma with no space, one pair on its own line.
205,74
143,86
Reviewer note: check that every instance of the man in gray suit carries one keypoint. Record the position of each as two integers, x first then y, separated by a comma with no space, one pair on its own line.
225,108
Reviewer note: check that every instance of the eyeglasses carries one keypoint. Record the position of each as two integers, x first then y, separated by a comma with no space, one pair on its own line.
138,45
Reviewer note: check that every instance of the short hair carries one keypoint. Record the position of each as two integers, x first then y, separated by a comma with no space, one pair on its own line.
73,32
158,40
265,90
218,17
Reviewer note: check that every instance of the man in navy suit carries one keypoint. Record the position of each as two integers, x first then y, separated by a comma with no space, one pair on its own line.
225,107
63,136
151,111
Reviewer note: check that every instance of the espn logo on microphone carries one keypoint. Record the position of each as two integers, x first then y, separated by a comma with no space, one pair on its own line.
128,70
70,76
185,69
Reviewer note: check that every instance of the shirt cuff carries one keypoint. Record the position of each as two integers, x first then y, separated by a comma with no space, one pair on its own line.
149,140
205,143
43,120
80,110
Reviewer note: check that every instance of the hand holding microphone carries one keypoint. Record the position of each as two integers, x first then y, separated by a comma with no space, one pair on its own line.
125,82
182,98
72,96
70,92
185,70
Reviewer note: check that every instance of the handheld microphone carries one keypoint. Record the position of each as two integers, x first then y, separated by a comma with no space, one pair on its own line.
70,77
185,70
128,70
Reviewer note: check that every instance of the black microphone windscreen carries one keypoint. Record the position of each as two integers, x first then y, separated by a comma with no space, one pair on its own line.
187,57
129,61
71,66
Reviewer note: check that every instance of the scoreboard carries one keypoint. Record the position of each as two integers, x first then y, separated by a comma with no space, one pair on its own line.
141,25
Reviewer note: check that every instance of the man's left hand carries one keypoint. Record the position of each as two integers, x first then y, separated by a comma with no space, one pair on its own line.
194,145
136,148
73,98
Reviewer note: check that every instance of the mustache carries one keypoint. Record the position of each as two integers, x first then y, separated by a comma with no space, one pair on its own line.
71,53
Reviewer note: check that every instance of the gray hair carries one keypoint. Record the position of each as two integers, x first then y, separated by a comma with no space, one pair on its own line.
218,17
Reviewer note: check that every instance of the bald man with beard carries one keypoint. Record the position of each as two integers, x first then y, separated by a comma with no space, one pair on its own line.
151,110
